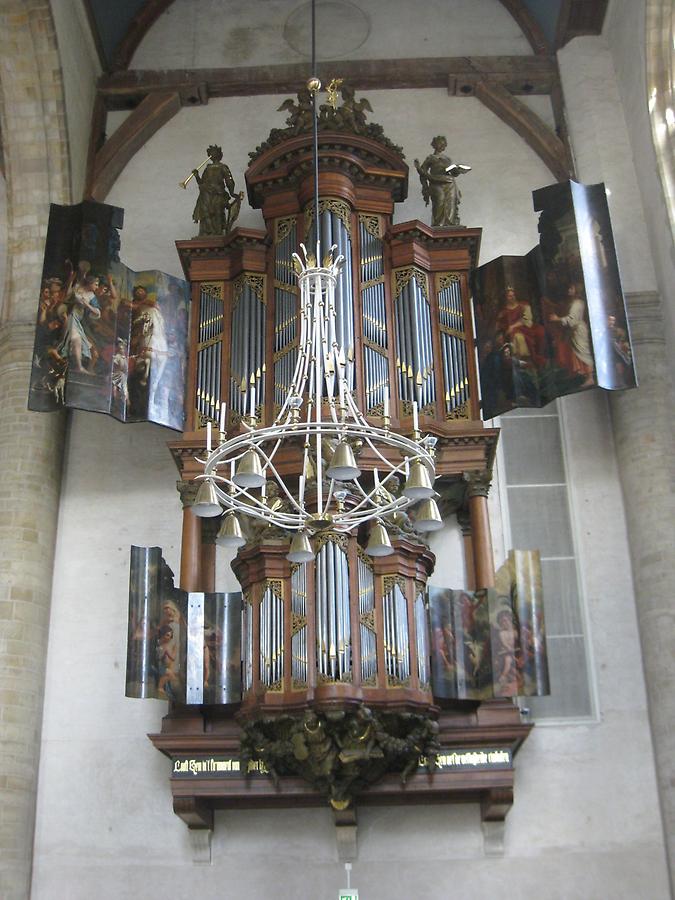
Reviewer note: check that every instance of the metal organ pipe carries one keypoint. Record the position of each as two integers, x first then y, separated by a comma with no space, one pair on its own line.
209,349
422,639
453,346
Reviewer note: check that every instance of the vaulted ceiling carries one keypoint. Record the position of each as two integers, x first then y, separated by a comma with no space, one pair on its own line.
119,27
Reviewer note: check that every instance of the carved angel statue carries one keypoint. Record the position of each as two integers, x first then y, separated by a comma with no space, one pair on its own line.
352,114
437,176
300,114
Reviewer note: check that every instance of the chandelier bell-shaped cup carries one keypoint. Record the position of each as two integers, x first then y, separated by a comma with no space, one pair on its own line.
230,533
206,502
428,516
418,485
378,541
249,472
343,464
301,549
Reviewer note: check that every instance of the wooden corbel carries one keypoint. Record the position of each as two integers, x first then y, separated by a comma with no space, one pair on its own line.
154,111
528,125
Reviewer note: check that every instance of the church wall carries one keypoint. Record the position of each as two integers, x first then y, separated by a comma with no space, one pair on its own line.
585,821
625,33
602,152
80,68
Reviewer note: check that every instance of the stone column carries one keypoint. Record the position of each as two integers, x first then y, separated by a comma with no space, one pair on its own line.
36,158
643,431
31,446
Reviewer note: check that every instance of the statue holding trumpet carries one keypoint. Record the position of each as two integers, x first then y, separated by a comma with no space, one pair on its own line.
217,205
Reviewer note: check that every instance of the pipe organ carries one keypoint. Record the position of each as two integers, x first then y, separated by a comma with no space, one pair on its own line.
402,303
330,643
342,628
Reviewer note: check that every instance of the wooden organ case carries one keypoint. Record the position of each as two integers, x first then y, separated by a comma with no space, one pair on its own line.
347,631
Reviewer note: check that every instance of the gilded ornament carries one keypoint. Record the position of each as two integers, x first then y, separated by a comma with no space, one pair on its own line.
445,279
371,224
283,227
403,276
213,288
341,752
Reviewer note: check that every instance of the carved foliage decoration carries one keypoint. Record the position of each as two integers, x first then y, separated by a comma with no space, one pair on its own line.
349,117
341,752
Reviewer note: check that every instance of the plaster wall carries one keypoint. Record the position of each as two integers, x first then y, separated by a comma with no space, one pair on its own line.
585,823
212,34
80,68
602,151
625,34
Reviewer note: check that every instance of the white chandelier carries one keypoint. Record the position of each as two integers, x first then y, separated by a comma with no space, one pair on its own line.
321,425
238,472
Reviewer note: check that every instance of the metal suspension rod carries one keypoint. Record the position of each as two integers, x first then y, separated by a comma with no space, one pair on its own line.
315,134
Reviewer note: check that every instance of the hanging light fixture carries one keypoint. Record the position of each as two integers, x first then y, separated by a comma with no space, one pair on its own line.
418,484
230,533
249,473
343,465
207,502
428,516
301,549
379,543
319,421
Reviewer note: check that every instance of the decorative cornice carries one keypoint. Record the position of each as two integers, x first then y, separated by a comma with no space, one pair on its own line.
187,491
645,317
456,238
363,159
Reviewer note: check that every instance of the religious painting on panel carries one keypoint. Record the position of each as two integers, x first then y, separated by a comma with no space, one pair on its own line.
107,339
553,322
491,643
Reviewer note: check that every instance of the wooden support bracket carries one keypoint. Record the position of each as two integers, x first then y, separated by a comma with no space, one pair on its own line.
495,804
527,24
528,125
154,111
194,812
345,834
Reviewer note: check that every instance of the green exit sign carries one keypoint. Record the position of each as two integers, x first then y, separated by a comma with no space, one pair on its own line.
348,894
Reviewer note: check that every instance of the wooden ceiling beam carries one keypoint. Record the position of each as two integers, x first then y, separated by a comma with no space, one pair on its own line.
150,115
156,96
142,22
533,130
578,18
528,25
518,74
